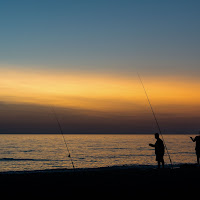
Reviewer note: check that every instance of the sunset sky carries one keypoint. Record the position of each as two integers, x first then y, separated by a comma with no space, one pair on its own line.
82,57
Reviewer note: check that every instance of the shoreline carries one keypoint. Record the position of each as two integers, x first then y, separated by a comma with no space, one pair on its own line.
112,167
106,168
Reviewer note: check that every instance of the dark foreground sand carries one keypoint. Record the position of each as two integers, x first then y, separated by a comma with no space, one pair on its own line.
126,182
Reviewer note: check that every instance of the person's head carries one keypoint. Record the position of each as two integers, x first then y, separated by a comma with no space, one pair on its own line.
156,135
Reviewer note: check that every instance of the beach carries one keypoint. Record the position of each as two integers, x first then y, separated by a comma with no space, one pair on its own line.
112,181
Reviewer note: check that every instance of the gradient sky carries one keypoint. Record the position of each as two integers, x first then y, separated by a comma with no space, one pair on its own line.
83,56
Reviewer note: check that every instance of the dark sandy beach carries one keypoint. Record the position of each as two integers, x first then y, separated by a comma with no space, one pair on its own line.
113,181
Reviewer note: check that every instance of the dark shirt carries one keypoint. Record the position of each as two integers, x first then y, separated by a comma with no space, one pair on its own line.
159,147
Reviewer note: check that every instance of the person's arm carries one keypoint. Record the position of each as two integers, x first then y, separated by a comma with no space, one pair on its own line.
152,145
193,140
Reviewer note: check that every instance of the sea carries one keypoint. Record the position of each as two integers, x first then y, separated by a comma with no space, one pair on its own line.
30,152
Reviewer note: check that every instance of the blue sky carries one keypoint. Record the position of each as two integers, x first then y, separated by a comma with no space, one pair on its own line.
102,35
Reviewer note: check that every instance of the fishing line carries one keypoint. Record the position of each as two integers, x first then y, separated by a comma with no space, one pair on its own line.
61,131
154,115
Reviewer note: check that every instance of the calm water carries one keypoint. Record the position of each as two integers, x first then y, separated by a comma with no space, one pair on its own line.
38,152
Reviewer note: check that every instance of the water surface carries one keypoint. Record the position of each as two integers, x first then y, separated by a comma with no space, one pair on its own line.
39,152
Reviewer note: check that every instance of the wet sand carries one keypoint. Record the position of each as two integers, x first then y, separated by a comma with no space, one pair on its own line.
101,182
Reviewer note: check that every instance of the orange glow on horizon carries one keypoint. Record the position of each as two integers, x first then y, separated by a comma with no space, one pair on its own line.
94,92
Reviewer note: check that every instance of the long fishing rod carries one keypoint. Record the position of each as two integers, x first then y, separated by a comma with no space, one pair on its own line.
61,131
154,115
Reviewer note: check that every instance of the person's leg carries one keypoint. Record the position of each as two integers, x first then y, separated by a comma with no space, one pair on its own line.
163,163
158,164
198,159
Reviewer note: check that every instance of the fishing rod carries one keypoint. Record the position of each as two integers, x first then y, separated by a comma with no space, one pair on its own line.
61,131
156,120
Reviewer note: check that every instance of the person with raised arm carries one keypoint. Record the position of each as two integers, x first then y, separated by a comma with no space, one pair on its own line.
197,148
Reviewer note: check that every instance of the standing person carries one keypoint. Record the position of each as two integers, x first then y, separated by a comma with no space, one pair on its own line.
197,148
159,150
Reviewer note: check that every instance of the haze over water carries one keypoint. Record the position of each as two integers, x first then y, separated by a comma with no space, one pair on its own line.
40,152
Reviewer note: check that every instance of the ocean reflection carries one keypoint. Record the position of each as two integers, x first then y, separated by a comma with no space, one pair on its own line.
36,152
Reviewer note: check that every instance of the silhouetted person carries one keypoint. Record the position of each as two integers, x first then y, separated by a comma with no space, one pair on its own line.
197,148
159,150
